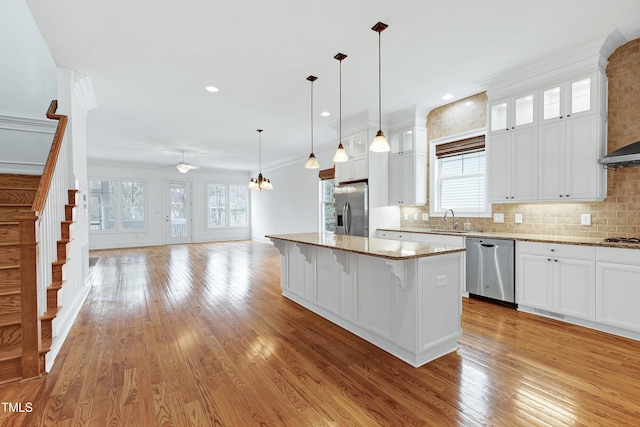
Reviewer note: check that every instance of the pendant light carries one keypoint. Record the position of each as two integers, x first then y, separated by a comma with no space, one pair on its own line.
260,183
341,154
379,143
312,162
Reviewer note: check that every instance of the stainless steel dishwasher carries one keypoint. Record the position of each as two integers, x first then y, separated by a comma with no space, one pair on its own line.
491,268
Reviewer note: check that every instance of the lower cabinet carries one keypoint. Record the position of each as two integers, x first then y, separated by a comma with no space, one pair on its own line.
618,288
557,278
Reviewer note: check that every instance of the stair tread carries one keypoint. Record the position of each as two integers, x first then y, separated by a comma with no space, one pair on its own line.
11,205
9,243
9,267
9,223
10,319
55,286
7,292
51,313
11,352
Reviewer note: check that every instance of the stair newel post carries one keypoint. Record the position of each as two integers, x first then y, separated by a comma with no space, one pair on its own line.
29,283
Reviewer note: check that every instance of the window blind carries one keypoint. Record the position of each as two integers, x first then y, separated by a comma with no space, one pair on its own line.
327,173
462,146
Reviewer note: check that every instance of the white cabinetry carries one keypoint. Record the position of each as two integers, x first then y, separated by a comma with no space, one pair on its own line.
568,168
356,167
408,168
557,278
513,113
512,162
393,235
543,144
618,288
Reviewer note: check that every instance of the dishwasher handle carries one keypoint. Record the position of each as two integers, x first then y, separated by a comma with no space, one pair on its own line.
487,245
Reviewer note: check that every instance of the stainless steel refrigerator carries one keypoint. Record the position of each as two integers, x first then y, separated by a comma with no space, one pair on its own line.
352,209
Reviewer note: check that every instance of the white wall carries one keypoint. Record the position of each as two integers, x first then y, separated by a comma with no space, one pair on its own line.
155,179
293,204
27,86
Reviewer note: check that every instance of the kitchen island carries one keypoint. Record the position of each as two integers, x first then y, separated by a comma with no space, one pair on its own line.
403,297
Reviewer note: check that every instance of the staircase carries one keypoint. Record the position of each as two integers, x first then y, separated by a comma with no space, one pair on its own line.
35,234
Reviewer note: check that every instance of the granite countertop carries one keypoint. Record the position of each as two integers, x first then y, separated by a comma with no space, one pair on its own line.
523,237
380,248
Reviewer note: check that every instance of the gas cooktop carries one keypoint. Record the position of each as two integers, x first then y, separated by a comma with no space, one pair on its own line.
635,240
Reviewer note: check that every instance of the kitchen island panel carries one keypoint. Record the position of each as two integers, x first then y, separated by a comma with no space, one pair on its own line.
410,308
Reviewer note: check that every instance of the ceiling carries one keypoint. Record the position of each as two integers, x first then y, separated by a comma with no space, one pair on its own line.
150,61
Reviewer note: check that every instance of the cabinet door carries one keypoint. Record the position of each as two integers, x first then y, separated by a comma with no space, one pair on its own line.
618,295
575,288
498,116
344,171
408,179
581,150
498,167
360,167
524,164
535,281
395,180
551,172
552,103
581,96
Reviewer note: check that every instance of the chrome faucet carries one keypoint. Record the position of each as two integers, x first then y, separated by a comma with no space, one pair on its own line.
455,223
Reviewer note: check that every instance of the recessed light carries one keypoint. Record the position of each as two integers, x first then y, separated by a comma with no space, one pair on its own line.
325,114
447,96
212,89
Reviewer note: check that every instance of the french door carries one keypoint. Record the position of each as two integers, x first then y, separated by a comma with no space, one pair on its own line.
178,227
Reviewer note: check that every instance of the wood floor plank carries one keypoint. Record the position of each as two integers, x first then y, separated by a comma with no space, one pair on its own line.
200,335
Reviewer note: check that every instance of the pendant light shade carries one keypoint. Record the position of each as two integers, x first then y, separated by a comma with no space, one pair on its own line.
379,143
341,155
260,183
312,162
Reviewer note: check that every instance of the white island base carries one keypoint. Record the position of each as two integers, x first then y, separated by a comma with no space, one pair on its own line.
405,298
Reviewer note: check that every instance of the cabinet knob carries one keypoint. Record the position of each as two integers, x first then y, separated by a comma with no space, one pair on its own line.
548,259
507,197
560,116
555,260
553,250
568,115
513,127
560,195
567,195
512,197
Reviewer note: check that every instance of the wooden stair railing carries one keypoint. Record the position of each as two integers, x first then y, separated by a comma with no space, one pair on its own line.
31,326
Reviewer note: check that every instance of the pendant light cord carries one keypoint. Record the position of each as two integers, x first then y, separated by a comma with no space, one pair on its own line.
379,84
340,127
311,116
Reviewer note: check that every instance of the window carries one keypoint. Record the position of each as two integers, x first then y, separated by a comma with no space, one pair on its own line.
328,205
227,205
327,199
116,205
458,176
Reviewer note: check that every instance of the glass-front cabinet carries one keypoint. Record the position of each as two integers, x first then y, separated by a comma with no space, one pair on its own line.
570,98
513,113
402,142
356,167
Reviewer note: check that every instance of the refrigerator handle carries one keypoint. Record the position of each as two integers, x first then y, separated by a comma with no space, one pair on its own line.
347,217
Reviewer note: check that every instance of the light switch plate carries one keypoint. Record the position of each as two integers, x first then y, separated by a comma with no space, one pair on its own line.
425,217
415,216
441,280
406,217
518,218
585,219
498,217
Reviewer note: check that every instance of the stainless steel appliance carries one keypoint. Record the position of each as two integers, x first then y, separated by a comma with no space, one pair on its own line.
352,209
491,268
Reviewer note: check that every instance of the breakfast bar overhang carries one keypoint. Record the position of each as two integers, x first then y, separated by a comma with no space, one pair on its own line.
403,297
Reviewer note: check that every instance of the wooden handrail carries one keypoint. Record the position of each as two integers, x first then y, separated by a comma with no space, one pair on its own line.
50,165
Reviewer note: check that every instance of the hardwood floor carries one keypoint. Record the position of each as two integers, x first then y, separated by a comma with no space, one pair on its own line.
200,335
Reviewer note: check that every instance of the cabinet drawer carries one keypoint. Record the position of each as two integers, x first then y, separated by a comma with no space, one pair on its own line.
437,239
587,253
618,255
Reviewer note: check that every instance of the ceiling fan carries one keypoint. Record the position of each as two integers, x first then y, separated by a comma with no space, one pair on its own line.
184,167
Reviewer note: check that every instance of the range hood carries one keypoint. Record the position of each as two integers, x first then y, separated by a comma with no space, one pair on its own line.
624,157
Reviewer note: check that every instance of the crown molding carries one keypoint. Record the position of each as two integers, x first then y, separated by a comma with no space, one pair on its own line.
83,90
584,57
413,116
27,124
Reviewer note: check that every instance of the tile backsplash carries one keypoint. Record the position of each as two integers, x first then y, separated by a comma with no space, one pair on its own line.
617,215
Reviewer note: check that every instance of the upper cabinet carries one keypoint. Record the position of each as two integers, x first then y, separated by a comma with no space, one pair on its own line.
513,113
570,98
355,168
408,167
